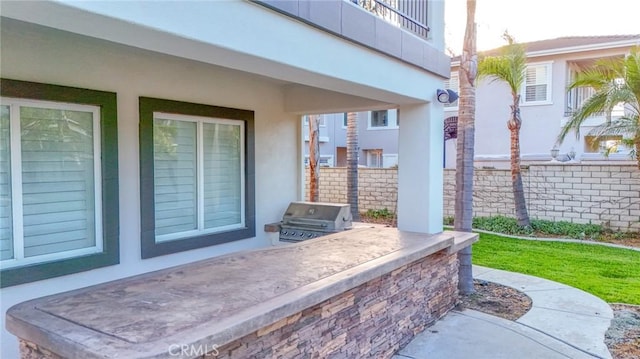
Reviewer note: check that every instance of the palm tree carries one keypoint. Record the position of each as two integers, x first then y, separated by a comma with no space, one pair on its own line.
614,81
510,69
314,158
352,164
465,144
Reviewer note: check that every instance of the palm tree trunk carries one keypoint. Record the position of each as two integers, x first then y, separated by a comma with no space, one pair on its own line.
514,125
352,164
314,158
466,140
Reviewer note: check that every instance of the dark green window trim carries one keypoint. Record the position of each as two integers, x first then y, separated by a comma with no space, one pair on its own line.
109,151
147,107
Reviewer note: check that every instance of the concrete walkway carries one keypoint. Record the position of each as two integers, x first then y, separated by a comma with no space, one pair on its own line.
564,322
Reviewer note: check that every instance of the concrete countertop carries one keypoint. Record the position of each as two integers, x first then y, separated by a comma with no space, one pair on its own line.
212,302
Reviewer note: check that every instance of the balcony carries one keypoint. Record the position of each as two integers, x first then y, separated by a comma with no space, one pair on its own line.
410,15
398,28
576,98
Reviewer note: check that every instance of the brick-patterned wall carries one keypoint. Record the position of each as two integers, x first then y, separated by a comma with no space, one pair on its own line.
373,320
600,194
377,187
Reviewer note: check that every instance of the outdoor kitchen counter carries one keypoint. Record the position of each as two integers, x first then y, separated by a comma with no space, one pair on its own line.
213,302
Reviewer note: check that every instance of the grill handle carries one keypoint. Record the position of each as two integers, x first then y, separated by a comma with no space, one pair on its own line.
301,222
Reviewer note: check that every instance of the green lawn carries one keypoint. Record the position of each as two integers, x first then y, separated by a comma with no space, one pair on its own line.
612,274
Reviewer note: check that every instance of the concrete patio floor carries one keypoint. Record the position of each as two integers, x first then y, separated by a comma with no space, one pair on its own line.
564,322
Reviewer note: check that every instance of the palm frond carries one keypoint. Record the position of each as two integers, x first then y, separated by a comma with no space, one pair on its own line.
508,67
615,81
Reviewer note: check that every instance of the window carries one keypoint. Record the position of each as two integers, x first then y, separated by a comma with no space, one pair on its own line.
379,119
603,144
58,181
452,83
537,84
374,158
195,162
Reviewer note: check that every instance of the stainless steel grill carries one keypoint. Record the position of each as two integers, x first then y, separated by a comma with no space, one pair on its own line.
307,220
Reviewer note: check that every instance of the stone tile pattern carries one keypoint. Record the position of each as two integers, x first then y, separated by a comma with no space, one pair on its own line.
579,193
373,320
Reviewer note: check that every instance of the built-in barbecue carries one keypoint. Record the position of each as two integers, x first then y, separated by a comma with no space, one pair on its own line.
307,220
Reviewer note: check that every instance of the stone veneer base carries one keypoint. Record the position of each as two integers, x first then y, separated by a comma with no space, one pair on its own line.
373,320
360,293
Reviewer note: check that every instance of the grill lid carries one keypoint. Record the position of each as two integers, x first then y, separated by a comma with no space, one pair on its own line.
318,216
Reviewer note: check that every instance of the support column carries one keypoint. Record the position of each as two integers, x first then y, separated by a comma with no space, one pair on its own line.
420,174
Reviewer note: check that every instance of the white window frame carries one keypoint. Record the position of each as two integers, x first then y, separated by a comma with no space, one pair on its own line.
16,181
549,66
378,154
391,123
200,121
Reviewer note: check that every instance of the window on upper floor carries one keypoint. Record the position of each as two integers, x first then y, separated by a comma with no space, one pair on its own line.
536,89
58,181
195,161
452,83
379,119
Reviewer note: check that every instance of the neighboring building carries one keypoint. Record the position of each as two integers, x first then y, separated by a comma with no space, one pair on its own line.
136,136
377,139
545,108
545,104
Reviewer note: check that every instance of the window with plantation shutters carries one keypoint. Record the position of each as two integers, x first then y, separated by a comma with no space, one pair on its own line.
59,210
50,199
198,175
537,84
6,217
195,162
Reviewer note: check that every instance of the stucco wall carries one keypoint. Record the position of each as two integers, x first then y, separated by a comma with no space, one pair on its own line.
602,194
44,55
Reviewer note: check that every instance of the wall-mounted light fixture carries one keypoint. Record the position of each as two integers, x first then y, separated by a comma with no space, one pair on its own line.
446,96
554,153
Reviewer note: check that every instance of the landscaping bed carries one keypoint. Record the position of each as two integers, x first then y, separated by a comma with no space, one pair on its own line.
623,336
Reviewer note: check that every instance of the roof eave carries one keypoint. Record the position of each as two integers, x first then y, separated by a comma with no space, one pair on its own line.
574,49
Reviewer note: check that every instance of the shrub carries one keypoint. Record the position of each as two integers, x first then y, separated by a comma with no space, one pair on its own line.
506,225
380,213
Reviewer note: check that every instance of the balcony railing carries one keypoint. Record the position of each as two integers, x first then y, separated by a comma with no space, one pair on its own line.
575,98
411,15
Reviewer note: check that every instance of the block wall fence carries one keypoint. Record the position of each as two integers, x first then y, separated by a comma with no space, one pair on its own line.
579,193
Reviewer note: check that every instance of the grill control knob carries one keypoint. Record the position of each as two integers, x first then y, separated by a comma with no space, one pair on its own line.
310,235
301,234
293,233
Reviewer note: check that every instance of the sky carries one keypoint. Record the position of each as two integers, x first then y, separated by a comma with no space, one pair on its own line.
539,20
